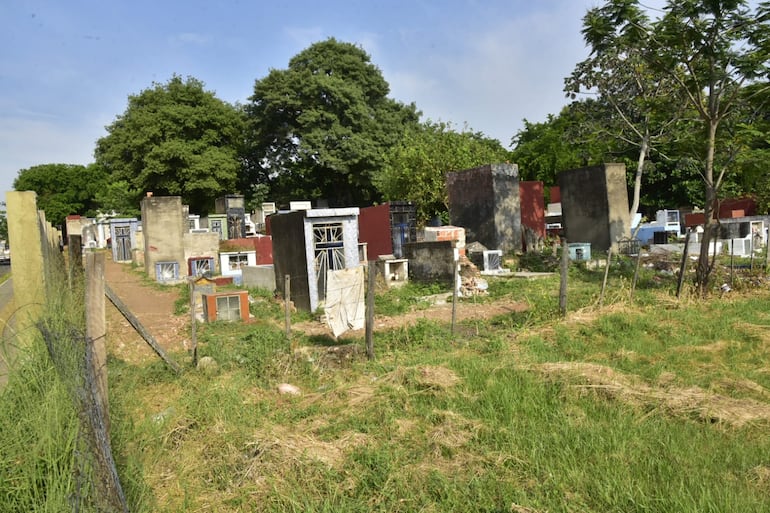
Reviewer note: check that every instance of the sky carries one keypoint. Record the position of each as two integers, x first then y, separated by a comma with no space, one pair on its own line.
67,68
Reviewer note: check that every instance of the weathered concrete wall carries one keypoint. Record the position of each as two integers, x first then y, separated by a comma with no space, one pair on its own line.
259,276
289,256
162,225
26,242
200,245
36,259
595,205
485,201
431,262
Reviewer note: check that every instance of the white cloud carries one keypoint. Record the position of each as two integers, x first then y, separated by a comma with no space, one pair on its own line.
496,74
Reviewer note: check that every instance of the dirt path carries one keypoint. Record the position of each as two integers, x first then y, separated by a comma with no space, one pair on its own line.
466,310
155,309
153,306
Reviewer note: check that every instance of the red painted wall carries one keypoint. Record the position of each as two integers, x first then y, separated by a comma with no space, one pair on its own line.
374,229
263,245
531,195
729,208
555,194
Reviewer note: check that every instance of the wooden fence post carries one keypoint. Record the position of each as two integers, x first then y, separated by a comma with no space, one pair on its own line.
371,275
96,330
636,271
75,256
455,287
683,265
606,273
193,323
286,303
563,275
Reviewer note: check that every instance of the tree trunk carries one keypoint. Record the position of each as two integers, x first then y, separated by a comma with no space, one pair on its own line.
643,149
705,265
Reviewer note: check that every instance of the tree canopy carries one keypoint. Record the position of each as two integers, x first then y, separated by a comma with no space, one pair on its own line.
415,168
320,128
712,49
175,139
568,140
63,189
696,60
644,105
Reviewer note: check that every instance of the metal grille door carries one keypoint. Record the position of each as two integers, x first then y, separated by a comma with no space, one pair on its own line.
122,243
329,252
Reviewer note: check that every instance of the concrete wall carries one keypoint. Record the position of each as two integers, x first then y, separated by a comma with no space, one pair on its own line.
26,242
595,205
288,234
431,262
485,201
259,276
201,245
163,225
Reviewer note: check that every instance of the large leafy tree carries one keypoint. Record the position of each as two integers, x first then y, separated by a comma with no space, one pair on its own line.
712,49
320,128
705,52
754,132
644,104
175,139
63,189
415,168
565,141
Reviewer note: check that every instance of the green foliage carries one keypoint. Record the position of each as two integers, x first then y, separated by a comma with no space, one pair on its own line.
319,128
174,139
399,300
643,106
754,132
735,52
562,142
3,223
415,168
116,196
63,189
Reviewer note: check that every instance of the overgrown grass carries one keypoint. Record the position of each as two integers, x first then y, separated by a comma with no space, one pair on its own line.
638,405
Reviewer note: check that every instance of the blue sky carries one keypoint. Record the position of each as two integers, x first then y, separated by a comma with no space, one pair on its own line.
68,67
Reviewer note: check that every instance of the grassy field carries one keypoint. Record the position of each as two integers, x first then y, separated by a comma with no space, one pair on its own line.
644,404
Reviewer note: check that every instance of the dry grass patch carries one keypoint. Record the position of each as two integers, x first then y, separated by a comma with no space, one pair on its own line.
719,346
760,476
278,444
451,430
684,402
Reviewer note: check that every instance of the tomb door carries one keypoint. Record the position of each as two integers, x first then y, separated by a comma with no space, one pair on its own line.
329,250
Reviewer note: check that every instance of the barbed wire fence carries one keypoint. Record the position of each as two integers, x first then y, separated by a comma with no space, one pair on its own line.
71,324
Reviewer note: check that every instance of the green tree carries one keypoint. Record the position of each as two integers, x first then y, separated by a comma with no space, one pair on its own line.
415,168
644,104
175,139
566,141
320,128
63,189
712,49
115,196
754,131
3,223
